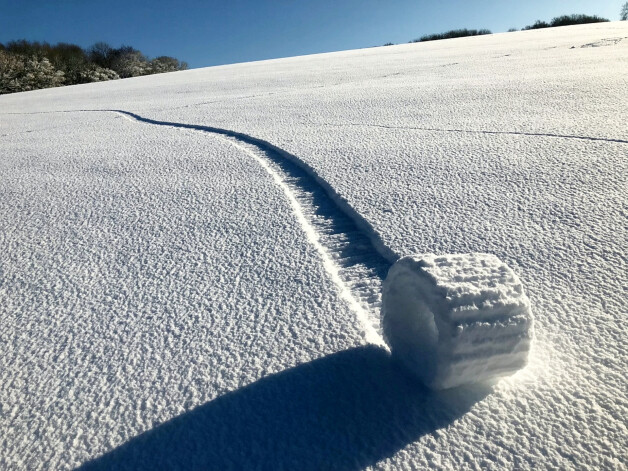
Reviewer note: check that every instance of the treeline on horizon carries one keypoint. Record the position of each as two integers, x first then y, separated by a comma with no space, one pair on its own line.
31,65
564,20
454,33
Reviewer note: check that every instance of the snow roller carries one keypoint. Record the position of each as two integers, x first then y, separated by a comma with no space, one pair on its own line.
456,319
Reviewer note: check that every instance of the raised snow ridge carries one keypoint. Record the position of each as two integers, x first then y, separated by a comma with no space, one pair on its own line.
352,251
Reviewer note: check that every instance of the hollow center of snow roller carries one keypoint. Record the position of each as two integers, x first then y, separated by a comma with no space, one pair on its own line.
456,319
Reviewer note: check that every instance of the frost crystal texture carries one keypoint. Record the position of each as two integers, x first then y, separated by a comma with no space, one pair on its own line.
456,319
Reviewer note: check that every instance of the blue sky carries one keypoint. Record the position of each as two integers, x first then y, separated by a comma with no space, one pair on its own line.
205,33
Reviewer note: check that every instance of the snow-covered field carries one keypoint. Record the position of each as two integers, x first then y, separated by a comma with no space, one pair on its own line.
191,263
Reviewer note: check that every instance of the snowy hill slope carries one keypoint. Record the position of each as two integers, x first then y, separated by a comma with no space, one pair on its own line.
192,279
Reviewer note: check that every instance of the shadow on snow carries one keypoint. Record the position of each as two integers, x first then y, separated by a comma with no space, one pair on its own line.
344,411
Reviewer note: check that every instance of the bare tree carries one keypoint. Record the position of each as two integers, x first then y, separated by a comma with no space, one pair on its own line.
129,62
101,54
69,58
624,12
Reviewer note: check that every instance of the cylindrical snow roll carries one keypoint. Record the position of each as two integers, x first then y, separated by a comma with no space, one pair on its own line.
456,319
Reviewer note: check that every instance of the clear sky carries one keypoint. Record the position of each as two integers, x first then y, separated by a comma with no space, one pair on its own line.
205,33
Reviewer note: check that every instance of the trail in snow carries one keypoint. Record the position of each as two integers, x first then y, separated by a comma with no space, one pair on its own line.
477,131
352,252
353,255
370,125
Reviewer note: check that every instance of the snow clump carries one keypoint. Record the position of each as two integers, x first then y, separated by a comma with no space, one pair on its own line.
456,319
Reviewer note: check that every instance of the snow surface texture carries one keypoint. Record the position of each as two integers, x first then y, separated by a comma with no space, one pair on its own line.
456,319
163,302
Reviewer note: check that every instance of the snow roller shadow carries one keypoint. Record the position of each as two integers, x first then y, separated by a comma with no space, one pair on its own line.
344,411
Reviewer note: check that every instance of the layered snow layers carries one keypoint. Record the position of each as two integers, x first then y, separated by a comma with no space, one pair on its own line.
456,319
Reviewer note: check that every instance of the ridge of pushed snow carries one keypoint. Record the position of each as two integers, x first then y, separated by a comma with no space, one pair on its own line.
352,252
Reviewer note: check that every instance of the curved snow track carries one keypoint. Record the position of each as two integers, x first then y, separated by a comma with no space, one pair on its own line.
352,253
